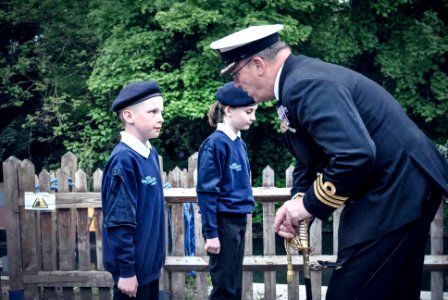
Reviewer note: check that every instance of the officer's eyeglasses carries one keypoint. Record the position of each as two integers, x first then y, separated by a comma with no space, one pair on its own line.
236,74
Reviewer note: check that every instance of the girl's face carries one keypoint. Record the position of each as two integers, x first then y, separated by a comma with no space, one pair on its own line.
240,118
146,119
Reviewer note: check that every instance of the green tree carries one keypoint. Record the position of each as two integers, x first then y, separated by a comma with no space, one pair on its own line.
46,47
63,63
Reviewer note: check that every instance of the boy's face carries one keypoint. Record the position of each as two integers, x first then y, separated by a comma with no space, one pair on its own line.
146,119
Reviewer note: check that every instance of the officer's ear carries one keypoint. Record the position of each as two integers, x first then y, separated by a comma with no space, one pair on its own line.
260,64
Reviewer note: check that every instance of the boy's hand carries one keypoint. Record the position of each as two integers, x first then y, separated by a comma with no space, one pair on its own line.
212,245
128,286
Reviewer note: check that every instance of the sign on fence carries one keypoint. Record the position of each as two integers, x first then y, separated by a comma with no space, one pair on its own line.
40,201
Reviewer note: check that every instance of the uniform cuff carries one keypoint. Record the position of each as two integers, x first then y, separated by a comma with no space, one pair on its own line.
126,272
315,207
211,234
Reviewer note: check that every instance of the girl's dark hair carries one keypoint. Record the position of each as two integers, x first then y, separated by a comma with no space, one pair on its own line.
215,113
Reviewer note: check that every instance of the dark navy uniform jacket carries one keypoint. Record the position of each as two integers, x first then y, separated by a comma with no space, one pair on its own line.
355,147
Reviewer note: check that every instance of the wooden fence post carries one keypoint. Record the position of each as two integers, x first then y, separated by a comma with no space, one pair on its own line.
201,277
177,179
293,287
48,235
13,243
28,227
104,292
67,220
316,244
83,233
269,235
437,249
248,277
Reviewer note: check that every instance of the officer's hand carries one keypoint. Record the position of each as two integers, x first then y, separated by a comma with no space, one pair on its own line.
288,217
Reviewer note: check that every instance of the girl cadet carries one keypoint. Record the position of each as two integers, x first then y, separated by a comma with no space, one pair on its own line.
224,189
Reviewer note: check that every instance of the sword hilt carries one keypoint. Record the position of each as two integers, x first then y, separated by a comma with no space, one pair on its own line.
300,243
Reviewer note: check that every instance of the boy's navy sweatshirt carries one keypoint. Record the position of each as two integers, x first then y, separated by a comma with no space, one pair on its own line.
133,209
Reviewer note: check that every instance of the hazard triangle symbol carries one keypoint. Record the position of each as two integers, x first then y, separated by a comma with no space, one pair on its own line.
40,203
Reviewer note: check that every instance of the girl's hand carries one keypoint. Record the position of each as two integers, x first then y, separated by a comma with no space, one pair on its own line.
212,245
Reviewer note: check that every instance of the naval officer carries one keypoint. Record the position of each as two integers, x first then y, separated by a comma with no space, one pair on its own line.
354,148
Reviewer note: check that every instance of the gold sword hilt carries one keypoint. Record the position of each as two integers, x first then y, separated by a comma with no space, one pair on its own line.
300,243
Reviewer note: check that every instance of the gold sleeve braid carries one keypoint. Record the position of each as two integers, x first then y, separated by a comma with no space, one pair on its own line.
326,193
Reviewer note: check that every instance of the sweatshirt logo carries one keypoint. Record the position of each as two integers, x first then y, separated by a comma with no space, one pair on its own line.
235,167
149,180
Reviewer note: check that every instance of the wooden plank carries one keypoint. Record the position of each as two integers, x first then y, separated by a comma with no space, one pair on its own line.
75,200
48,235
293,288
268,181
248,277
69,161
278,262
83,232
316,244
261,194
28,226
67,224
70,279
201,277
27,218
11,196
269,248
172,195
98,220
66,246
336,218
178,231
98,217
97,180
437,249
48,228
165,276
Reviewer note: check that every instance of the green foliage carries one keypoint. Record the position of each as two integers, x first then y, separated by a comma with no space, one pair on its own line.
412,58
94,139
63,63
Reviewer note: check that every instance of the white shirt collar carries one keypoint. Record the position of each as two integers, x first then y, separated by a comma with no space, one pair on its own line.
277,83
135,144
228,131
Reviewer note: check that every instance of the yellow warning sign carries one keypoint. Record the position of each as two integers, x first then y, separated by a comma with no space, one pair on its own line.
40,203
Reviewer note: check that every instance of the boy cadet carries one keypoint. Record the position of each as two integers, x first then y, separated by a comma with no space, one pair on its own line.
132,196
354,147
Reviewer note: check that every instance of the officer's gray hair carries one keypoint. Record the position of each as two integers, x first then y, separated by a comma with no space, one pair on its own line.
270,52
